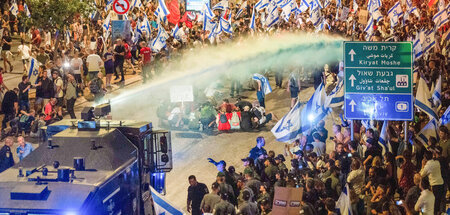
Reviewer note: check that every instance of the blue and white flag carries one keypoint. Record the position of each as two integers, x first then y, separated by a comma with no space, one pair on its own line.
445,119
315,110
14,9
383,140
108,5
265,85
106,26
315,16
163,206
92,15
287,9
431,129
355,6
424,99
377,15
440,18
304,5
161,12
315,4
326,3
208,24
160,40
252,20
222,5
336,96
338,3
369,29
241,9
225,25
27,11
33,71
289,128
395,10
343,204
273,17
145,25
135,3
428,40
177,33
437,93
372,5
417,47
367,123
261,4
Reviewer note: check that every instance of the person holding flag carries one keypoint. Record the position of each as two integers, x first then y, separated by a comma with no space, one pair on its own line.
263,88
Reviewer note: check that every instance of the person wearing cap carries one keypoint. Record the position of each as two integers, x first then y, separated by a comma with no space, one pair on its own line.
210,200
249,165
279,160
196,192
251,182
247,207
224,207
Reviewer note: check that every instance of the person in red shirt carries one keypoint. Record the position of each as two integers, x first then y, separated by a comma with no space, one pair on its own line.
36,37
128,55
146,58
49,111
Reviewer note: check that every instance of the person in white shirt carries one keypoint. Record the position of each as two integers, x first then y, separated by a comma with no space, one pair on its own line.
319,146
432,169
25,52
93,63
77,66
425,203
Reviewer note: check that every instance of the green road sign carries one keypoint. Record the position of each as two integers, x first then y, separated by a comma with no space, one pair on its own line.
378,80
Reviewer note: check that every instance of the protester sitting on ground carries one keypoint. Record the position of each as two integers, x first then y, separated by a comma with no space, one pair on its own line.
51,114
222,120
24,148
36,126
260,118
227,105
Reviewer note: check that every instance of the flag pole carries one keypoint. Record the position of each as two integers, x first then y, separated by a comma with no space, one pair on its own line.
406,131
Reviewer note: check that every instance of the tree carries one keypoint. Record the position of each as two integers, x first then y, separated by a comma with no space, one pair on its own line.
57,14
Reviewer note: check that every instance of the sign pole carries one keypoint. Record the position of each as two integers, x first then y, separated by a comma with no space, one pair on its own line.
405,129
352,130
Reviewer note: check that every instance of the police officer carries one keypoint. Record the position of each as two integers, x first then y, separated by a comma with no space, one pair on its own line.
6,156
248,207
196,191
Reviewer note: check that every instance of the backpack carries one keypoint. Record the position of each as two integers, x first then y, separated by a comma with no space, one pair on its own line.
94,86
234,121
223,118
35,126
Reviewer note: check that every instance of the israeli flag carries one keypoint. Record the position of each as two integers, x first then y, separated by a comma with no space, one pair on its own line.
286,10
338,3
163,206
106,26
383,140
428,40
207,11
33,71
222,5
225,25
424,99
336,96
177,33
163,7
437,93
315,4
369,29
67,37
445,119
136,3
108,5
261,4
14,9
441,5
314,111
355,6
417,47
344,203
377,15
273,17
208,24
440,18
315,16
137,33
265,85
304,5
92,15
430,130
367,123
241,9
289,128
395,10
145,25
160,40
294,6
27,11
252,20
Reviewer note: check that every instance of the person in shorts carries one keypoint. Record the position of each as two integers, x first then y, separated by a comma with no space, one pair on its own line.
6,50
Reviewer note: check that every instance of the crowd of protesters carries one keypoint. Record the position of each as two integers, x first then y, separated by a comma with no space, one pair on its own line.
412,172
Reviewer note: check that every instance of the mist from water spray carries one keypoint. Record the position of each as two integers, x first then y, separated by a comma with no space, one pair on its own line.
240,59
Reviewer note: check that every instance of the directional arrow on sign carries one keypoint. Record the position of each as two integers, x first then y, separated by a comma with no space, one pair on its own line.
352,79
351,53
352,103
